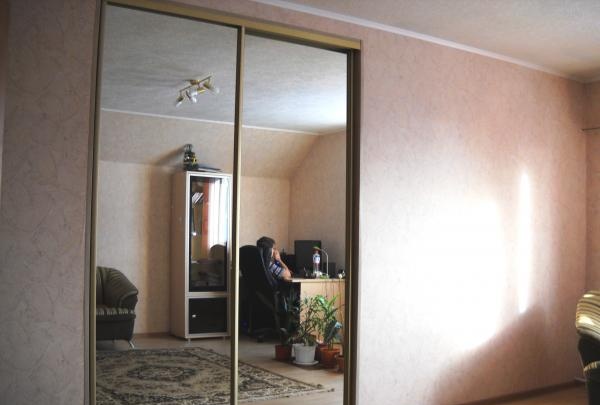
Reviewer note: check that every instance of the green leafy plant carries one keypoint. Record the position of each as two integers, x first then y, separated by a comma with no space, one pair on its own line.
308,313
328,326
332,333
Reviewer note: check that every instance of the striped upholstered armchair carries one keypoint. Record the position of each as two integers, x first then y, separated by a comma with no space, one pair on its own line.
587,322
116,298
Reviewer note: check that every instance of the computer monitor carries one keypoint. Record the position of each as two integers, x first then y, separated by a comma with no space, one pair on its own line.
304,249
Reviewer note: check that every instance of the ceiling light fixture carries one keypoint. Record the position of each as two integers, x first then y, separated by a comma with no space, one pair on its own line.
194,88
191,95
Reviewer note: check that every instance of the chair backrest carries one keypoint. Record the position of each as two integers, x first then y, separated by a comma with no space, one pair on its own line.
114,289
254,272
587,316
100,285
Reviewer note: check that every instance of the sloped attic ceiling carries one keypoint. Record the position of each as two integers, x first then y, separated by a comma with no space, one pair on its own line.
151,140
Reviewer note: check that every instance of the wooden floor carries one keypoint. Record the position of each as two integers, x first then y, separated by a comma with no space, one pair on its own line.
261,355
256,354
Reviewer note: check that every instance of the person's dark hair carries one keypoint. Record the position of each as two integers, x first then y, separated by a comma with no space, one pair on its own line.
265,247
265,242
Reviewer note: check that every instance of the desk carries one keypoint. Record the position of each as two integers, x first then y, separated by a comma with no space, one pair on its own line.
327,287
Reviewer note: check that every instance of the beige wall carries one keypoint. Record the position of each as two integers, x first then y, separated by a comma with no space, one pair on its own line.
450,233
133,234
318,197
134,206
264,210
144,139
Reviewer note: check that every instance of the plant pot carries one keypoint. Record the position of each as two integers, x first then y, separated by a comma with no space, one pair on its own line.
305,355
283,352
328,357
320,346
340,362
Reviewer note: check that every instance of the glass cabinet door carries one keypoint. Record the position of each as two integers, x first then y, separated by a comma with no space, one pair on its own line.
209,232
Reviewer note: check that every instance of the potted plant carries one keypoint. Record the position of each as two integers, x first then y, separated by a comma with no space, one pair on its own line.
340,357
328,329
340,362
305,336
288,327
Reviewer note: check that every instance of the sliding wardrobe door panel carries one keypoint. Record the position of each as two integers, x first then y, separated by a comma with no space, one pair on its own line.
292,220
164,207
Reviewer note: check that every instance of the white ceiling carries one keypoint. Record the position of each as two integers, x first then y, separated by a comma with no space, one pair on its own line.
560,36
147,57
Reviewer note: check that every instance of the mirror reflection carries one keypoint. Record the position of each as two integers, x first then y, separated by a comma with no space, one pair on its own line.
164,215
292,223
209,232
163,229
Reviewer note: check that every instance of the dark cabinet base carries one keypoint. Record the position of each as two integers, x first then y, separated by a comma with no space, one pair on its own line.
207,315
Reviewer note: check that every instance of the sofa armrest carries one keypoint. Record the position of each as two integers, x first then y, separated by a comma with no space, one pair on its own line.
592,372
119,291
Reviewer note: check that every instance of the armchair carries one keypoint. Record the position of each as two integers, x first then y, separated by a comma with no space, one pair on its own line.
116,298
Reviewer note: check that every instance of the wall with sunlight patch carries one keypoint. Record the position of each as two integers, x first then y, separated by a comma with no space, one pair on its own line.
469,274
473,226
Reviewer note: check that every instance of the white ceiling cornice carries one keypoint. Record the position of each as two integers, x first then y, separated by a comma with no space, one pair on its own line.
174,117
428,38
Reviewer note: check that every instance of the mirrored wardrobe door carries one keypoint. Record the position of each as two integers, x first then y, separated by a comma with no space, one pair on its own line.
164,208
292,223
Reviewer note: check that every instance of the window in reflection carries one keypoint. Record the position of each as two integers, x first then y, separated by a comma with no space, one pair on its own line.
209,232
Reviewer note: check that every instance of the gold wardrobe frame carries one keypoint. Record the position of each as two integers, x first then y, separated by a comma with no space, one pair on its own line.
276,31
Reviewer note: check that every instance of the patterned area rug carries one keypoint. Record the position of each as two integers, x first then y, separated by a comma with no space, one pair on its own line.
191,376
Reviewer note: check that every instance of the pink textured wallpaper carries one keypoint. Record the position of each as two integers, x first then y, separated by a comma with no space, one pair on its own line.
593,210
473,214
592,105
592,120
42,213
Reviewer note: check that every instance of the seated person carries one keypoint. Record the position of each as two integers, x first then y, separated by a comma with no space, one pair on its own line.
272,259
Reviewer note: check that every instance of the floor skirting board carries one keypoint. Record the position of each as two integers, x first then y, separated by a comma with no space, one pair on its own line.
526,394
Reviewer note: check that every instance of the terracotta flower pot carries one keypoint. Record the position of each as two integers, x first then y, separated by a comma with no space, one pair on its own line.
328,357
340,362
283,352
318,351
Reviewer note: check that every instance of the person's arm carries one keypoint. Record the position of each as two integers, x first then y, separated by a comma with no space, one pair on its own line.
286,274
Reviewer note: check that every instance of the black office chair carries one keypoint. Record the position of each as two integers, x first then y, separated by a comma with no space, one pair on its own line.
587,322
265,297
